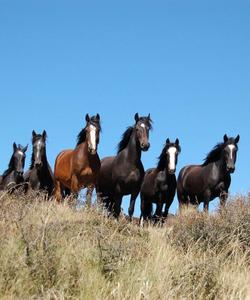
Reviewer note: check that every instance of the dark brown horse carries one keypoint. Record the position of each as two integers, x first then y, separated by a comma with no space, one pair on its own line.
203,183
159,184
12,178
123,174
79,168
39,177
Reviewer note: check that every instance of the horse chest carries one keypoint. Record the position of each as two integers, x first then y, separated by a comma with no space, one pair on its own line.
133,176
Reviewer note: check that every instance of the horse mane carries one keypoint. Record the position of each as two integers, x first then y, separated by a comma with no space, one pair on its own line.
81,137
215,153
125,139
162,159
10,167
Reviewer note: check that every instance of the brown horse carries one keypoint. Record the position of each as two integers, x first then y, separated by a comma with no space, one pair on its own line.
79,168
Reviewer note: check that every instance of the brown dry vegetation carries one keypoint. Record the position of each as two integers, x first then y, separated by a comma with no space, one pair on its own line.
50,251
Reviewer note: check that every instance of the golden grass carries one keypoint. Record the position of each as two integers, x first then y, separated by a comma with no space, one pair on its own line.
50,251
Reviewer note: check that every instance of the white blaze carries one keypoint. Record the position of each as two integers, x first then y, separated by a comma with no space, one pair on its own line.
231,148
143,125
172,153
92,137
38,149
20,153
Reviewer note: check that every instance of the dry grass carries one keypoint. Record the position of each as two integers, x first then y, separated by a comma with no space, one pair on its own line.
50,251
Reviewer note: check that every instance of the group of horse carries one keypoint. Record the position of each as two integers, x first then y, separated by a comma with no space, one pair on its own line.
123,174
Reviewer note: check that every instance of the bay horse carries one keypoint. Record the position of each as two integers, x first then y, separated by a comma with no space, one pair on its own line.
79,168
39,177
12,178
203,183
159,184
123,174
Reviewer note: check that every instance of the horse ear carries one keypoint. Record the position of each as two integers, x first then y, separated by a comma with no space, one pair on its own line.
225,138
44,134
33,133
87,118
25,148
177,142
14,146
98,117
136,117
167,141
237,139
149,116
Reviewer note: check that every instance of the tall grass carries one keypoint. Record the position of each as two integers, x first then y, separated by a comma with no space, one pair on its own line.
50,251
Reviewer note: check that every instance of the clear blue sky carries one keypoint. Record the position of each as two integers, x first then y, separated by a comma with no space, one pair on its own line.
185,62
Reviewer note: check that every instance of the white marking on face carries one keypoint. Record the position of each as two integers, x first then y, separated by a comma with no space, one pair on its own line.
172,154
20,153
39,145
231,148
92,134
143,125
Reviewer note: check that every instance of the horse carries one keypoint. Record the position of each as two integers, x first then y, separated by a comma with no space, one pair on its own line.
79,168
123,174
159,184
39,177
203,183
12,178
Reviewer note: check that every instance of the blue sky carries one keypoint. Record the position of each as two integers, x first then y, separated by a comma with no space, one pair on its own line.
185,62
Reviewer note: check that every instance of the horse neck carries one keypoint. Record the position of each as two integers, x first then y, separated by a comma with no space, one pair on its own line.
83,149
133,149
221,168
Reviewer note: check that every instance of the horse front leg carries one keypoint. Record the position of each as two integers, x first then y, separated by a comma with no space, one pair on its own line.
146,210
90,190
207,197
223,198
117,205
131,208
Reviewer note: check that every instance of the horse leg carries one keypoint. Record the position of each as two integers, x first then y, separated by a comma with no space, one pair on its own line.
146,210
132,204
223,199
117,205
158,211
58,191
207,196
90,190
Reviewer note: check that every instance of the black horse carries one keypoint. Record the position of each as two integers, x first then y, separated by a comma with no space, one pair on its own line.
12,178
159,184
203,183
123,174
39,177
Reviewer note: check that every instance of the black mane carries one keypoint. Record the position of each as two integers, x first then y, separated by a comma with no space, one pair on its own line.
10,167
215,153
81,136
125,139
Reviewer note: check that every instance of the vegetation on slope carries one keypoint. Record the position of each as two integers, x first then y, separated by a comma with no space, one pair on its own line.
52,251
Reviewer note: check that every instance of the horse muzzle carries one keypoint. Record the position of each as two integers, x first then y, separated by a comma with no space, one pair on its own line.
145,147
38,165
172,171
92,151
231,169
19,173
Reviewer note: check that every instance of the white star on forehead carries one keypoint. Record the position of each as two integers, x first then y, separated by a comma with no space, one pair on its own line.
143,125
20,152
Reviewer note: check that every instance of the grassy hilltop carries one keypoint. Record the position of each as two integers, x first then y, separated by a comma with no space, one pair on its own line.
50,251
